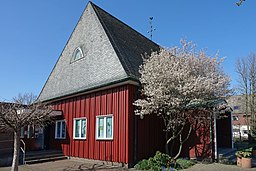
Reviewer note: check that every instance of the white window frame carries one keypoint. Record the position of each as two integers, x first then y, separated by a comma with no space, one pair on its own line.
79,50
105,127
80,131
61,121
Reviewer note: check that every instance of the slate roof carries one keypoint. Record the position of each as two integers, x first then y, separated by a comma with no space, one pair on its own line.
128,43
113,53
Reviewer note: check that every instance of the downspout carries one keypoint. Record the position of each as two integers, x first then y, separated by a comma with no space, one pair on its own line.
211,135
135,150
232,138
215,137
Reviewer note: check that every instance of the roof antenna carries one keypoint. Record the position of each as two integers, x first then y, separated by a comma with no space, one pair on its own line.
151,27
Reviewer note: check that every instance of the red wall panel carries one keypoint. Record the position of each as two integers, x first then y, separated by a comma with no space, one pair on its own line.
118,102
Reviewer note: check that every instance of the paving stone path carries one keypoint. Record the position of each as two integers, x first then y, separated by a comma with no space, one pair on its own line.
77,165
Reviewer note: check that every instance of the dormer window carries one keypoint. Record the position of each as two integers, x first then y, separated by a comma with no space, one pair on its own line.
78,54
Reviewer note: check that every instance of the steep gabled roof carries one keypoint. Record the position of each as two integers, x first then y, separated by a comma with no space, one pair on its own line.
128,43
113,53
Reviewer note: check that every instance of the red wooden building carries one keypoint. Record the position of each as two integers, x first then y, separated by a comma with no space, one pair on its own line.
94,83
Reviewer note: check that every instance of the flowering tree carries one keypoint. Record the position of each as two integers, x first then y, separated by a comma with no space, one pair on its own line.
21,113
172,80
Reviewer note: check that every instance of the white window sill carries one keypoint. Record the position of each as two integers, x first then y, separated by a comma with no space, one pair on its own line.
75,138
60,138
102,139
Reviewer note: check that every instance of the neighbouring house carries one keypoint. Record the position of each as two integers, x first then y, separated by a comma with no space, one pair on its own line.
94,84
6,145
239,120
6,148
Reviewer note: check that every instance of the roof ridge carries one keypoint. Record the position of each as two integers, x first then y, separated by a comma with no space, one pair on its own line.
94,5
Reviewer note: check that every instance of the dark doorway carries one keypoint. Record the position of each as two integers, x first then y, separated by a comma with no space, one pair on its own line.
47,137
224,132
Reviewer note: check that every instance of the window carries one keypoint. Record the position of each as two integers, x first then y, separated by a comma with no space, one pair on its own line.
78,54
235,118
104,127
60,129
30,132
79,128
22,132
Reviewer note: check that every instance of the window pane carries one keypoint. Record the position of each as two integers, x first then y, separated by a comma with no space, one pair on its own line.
58,130
77,128
100,127
78,54
63,132
22,132
83,128
109,127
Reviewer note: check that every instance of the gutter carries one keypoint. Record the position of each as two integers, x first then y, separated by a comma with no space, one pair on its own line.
101,87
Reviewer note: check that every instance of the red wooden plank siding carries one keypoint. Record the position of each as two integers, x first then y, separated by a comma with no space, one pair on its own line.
116,101
130,118
92,127
121,126
76,114
115,107
97,112
109,110
82,142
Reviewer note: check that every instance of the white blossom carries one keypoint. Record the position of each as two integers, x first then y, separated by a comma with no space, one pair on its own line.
172,78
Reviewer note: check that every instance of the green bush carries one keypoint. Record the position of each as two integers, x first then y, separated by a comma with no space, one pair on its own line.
159,160
247,153
142,165
163,161
184,164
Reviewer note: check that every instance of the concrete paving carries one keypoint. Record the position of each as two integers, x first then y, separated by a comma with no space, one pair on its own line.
65,165
80,165
217,167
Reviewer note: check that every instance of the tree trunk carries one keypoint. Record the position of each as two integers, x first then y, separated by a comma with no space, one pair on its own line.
16,151
182,142
171,150
166,144
246,111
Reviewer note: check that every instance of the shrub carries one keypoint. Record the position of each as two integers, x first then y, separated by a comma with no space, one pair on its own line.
142,165
159,160
184,164
245,153
163,161
239,154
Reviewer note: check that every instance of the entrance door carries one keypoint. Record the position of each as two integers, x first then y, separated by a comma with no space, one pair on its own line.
224,132
39,138
47,137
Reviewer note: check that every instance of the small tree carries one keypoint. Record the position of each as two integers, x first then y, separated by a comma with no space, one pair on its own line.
243,87
174,79
22,112
246,70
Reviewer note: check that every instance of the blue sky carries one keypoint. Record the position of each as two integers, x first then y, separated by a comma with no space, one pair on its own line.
33,32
